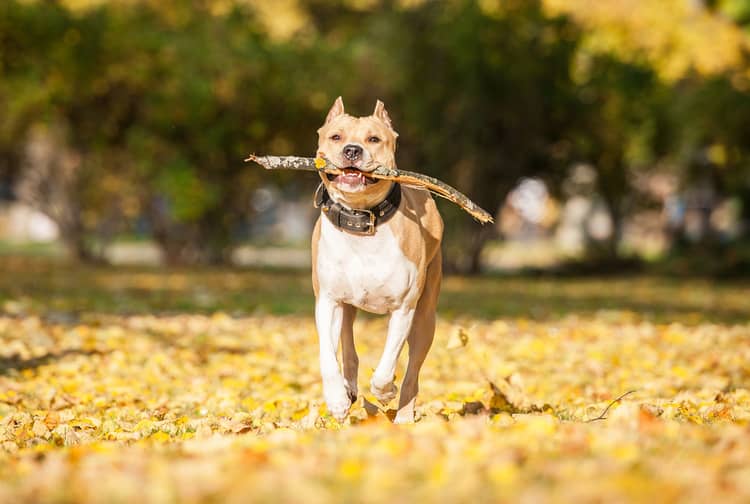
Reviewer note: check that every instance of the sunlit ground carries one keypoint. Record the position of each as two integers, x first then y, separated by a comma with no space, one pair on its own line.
202,385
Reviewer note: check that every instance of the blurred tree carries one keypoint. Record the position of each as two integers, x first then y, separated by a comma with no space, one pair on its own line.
49,176
481,93
26,32
648,76
159,103
713,147
225,89
738,10
676,38
117,112
619,129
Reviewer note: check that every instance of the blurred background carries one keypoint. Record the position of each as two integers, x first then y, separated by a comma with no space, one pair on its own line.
605,135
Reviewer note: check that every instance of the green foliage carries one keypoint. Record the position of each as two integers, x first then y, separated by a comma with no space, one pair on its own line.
160,102
739,10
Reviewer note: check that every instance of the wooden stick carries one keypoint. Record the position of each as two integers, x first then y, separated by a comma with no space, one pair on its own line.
377,172
603,414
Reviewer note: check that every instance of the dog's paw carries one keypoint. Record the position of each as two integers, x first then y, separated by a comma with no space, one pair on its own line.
351,391
338,403
339,409
404,418
384,393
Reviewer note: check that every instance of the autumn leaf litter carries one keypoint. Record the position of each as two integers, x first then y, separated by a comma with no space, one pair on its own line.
190,407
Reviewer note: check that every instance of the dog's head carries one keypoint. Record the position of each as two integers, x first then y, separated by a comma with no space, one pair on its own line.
355,144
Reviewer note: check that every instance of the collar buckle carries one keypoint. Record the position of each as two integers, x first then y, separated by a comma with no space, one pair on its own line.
371,229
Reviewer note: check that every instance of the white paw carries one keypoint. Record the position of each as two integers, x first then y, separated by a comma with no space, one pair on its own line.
384,393
339,410
338,403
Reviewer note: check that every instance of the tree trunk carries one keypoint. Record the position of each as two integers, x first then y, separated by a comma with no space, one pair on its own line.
615,238
205,242
480,238
79,251
49,182
744,232
612,185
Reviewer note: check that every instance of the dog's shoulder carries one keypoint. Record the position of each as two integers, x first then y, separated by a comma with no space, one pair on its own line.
421,227
421,208
314,255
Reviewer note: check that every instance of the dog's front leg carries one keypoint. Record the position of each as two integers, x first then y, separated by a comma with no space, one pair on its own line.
382,385
329,316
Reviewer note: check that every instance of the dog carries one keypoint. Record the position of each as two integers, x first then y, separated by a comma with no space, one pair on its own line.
375,247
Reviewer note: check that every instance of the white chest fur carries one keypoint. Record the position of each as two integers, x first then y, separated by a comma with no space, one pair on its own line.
369,272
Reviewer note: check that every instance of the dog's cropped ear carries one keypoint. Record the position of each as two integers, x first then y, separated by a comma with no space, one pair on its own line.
336,110
382,114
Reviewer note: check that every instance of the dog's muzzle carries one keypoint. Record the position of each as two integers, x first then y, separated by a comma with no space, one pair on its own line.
353,152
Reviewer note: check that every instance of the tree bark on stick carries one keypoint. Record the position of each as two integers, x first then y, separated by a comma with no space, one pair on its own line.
381,172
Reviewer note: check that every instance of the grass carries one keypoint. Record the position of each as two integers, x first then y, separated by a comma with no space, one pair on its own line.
42,286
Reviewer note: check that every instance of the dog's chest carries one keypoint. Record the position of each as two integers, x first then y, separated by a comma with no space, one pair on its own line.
369,272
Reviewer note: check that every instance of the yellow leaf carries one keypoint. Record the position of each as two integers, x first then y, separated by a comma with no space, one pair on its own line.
458,339
350,469
40,430
159,437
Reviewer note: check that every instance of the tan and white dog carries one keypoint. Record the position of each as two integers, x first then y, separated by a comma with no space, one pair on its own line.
376,247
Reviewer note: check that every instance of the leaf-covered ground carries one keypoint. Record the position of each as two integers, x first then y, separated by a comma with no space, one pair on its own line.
184,386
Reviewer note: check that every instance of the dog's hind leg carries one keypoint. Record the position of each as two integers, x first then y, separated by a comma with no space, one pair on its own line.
420,340
348,352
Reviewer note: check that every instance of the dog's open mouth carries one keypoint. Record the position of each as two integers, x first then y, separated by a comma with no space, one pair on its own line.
351,177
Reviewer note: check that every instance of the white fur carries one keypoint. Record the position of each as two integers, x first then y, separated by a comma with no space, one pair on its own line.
369,272
328,318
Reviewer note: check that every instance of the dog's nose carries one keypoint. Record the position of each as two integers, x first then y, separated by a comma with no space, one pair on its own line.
352,152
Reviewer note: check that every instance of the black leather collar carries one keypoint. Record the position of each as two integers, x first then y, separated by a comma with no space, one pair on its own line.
362,221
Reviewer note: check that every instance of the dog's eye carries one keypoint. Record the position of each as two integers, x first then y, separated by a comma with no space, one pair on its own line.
336,137
373,139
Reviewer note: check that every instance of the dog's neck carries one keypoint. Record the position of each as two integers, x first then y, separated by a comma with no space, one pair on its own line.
358,222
